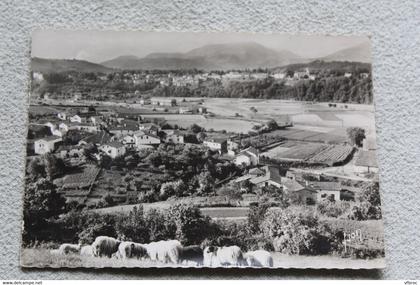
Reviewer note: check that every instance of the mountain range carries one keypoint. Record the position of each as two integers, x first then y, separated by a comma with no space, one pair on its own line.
208,57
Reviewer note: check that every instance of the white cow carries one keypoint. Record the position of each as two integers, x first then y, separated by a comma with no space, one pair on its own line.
222,256
259,258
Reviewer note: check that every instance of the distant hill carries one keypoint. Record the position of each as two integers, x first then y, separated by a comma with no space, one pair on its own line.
359,53
44,65
321,65
210,57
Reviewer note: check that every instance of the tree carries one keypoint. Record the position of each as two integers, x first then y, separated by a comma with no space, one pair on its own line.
35,169
42,204
191,226
206,183
53,166
371,201
133,226
160,226
272,125
256,215
196,128
356,135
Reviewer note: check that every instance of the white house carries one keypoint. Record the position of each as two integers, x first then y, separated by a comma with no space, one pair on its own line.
142,138
325,190
218,144
173,136
185,110
145,101
347,74
247,157
47,144
279,76
149,127
113,149
62,116
129,141
77,119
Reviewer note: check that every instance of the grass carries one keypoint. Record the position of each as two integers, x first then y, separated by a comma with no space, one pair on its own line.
41,258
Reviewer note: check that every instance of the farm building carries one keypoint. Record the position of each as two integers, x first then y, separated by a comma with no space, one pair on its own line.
144,138
217,144
47,144
326,190
174,136
113,149
300,192
366,162
69,151
124,129
149,127
248,157
260,177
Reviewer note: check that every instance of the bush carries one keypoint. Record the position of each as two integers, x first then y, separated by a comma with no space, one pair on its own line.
294,233
191,226
133,226
333,209
85,226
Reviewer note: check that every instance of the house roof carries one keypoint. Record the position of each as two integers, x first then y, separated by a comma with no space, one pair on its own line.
243,178
216,140
256,171
271,174
293,185
67,147
251,150
98,138
325,186
366,158
50,138
116,144
127,127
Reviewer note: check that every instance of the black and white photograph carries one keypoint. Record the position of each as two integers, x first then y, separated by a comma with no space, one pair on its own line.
171,149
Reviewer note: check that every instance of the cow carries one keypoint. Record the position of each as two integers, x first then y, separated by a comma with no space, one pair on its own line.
222,256
192,253
86,250
67,248
259,258
105,246
164,251
138,250
124,250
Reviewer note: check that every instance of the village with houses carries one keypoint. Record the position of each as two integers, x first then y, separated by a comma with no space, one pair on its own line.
82,134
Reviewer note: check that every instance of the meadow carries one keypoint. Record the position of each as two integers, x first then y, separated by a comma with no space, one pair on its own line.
41,257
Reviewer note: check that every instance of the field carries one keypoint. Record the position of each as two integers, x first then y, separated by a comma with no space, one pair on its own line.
41,257
332,154
294,151
217,124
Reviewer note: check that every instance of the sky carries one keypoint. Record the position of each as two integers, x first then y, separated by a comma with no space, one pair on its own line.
99,46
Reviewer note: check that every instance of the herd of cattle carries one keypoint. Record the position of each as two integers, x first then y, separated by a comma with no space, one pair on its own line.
169,251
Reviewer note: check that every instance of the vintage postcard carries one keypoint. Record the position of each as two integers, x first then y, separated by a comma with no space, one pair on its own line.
150,149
